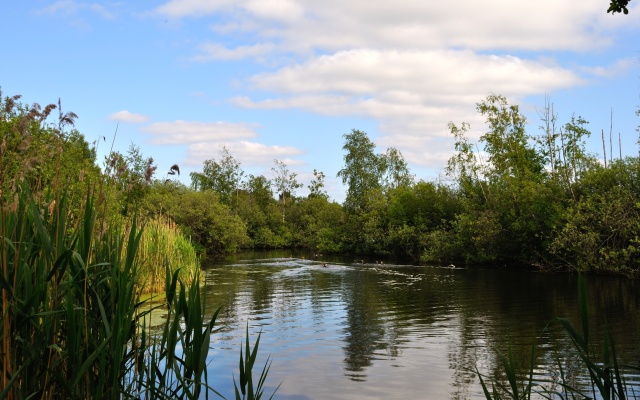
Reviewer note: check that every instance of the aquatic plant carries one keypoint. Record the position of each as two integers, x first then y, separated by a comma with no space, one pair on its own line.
162,243
72,319
246,385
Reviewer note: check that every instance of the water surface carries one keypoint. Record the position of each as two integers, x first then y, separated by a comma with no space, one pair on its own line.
358,330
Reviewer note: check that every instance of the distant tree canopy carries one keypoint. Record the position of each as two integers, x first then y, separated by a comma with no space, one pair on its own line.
617,6
511,197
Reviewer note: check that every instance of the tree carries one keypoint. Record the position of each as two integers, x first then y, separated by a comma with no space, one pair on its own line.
317,185
397,172
563,150
317,224
638,128
463,165
509,207
617,6
601,229
222,177
285,183
506,142
208,222
363,170
259,188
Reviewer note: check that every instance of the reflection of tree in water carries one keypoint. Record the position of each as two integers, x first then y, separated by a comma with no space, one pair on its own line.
503,311
376,318
396,309
364,330
322,290
465,350
492,308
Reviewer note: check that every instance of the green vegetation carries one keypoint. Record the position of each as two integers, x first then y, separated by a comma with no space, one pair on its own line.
617,6
162,244
49,159
211,224
607,378
512,198
72,320
75,259
81,242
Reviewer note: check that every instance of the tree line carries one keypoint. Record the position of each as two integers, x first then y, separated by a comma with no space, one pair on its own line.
514,198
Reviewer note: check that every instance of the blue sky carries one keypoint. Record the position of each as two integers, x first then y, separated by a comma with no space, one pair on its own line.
285,79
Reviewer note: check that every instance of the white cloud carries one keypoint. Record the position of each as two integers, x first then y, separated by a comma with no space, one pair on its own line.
333,25
214,51
184,132
126,116
404,77
69,8
413,95
282,10
617,68
410,65
205,139
247,152
189,8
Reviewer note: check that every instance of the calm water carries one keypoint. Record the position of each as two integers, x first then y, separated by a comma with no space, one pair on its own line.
352,331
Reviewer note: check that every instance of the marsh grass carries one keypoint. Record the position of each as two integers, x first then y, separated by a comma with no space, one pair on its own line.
73,322
606,377
162,243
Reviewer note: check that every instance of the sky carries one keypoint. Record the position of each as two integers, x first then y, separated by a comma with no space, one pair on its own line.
286,79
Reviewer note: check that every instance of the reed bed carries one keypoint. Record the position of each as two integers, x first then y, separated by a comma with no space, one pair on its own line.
162,243
72,319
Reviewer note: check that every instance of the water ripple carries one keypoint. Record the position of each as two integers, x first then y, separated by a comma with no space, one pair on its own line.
352,330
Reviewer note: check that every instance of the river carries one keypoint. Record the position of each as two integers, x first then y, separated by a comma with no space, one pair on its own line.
365,330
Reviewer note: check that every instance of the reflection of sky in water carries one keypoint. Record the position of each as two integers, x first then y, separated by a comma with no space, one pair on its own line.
349,331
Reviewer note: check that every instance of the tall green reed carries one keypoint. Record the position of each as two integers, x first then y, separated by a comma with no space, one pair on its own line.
606,379
172,365
163,242
72,319
245,389
70,303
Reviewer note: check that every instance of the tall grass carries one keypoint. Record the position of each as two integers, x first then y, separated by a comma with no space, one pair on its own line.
163,243
606,379
72,319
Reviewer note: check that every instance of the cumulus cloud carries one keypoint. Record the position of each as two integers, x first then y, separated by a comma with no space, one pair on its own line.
412,24
279,10
404,77
410,65
189,8
126,116
183,132
215,51
617,68
413,94
205,139
249,153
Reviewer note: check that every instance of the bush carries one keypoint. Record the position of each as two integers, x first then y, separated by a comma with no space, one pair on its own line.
202,217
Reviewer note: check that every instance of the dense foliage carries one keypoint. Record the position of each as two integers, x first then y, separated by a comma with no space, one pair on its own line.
512,198
617,6
77,250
